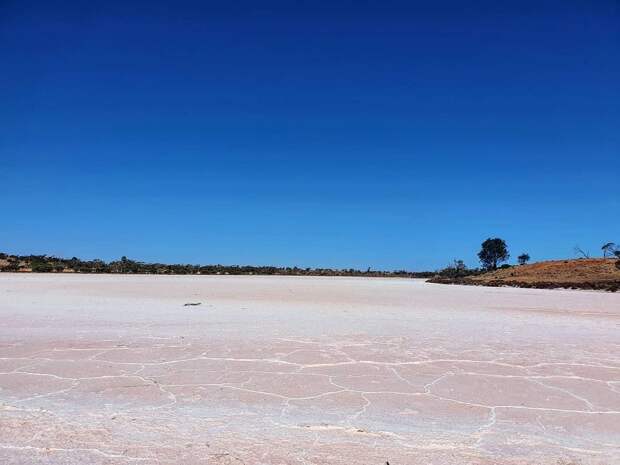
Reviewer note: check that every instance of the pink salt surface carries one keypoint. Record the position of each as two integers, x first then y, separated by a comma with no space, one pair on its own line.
285,370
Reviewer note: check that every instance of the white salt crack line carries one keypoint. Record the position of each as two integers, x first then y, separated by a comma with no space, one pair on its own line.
77,449
565,391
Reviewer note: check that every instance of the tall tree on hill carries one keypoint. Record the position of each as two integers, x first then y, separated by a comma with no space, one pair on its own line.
608,249
523,258
493,252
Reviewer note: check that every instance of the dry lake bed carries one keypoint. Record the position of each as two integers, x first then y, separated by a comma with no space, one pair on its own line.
302,370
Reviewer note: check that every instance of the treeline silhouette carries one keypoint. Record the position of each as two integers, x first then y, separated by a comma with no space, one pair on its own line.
51,264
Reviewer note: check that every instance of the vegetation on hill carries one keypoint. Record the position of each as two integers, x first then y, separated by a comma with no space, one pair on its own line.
493,252
50,264
582,273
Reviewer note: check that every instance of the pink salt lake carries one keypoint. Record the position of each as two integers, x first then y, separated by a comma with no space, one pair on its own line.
304,370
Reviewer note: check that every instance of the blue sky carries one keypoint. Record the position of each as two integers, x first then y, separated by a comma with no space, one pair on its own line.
340,134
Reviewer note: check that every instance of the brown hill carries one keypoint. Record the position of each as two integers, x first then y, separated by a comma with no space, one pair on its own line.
592,273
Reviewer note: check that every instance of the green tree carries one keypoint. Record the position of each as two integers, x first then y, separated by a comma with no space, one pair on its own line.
523,258
39,266
493,252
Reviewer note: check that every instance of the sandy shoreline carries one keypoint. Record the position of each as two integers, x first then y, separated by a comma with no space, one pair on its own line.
303,370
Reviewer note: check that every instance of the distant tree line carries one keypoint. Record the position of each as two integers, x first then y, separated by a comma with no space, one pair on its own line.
51,264
492,255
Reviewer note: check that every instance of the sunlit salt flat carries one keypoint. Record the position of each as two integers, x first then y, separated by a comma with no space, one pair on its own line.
304,370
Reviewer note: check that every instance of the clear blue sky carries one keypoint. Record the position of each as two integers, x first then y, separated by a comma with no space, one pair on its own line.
378,133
